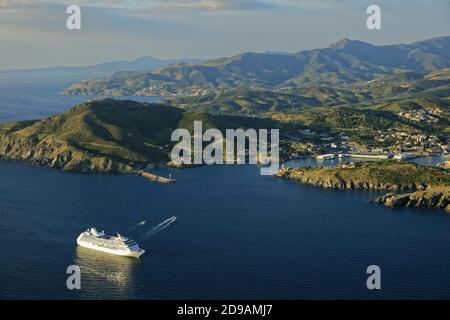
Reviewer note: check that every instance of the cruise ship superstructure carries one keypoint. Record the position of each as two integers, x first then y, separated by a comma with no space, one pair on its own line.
118,245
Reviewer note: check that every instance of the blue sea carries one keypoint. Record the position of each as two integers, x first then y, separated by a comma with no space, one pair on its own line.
237,235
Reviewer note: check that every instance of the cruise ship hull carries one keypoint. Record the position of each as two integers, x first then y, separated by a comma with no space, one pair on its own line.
85,244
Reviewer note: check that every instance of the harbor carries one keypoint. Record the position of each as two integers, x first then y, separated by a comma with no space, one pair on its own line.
375,155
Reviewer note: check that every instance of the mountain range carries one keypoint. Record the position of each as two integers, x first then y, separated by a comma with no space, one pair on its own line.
343,63
405,87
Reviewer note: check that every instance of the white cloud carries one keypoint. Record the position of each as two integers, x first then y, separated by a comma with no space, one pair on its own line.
214,4
149,4
12,3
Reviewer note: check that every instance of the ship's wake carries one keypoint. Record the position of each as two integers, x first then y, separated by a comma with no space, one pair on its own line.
135,228
158,228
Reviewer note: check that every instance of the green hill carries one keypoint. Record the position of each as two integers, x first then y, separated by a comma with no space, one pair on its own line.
245,102
106,135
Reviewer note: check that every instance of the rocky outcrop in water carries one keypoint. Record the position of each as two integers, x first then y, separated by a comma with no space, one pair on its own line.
431,198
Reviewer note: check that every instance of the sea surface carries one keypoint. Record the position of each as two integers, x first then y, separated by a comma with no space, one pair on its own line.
237,234
39,100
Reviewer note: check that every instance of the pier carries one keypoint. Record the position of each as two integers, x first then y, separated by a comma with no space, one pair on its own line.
156,178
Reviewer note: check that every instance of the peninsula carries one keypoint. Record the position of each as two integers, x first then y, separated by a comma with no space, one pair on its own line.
429,187
107,136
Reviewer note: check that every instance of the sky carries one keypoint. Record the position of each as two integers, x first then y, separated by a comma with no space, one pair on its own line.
33,33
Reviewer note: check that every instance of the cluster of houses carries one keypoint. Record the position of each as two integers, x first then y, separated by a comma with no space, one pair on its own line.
420,142
420,115
165,90
400,145
199,91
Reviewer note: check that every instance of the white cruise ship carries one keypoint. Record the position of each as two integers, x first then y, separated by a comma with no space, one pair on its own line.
117,245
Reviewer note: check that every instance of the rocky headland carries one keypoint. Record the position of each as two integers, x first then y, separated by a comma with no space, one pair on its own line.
102,136
60,155
429,187
437,197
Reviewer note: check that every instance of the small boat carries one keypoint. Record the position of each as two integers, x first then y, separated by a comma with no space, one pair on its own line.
329,156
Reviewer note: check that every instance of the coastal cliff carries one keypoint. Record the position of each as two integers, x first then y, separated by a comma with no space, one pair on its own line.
53,154
429,186
438,197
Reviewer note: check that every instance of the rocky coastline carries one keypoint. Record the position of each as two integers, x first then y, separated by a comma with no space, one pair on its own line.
408,185
438,197
336,182
54,154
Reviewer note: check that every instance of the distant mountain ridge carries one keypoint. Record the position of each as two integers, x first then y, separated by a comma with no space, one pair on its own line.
344,62
100,70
